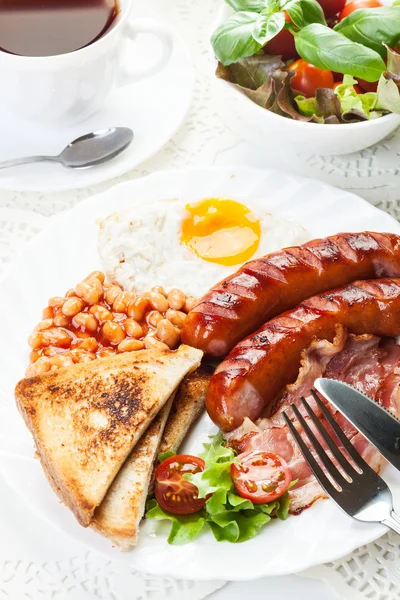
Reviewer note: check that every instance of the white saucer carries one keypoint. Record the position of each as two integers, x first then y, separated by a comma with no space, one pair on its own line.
154,108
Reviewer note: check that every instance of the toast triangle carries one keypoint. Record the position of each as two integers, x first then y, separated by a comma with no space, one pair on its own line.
86,419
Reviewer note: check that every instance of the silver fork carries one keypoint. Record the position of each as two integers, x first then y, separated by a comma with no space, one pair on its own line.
360,493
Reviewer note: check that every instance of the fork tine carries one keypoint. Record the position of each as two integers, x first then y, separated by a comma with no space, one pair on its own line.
351,451
314,466
342,460
323,456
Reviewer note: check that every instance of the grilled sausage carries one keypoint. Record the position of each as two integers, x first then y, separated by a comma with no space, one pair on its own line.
265,287
249,380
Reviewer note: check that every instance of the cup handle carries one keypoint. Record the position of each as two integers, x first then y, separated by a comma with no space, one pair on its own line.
132,30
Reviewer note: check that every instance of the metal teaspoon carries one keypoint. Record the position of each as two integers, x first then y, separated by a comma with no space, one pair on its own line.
86,151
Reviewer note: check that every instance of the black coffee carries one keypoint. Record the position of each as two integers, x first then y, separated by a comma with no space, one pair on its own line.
50,27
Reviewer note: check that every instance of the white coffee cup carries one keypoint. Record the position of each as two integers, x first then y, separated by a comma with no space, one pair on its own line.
70,87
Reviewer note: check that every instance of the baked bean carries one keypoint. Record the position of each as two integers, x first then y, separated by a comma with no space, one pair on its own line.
104,352
113,332
34,355
177,317
56,302
98,274
45,324
61,360
153,318
72,307
152,342
35,340
60,320
189,304
128,345
56,337
42,365
97,285
47,313
79,355
133,329
83,335
89,344
176,299
52,351
166,333
112,293
101,313
160,290
158,302
85,320
137,308
121,302
87,292
70,294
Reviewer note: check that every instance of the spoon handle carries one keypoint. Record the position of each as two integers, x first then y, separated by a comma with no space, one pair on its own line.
28,159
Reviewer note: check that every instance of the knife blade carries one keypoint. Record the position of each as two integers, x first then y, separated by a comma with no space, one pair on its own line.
377,424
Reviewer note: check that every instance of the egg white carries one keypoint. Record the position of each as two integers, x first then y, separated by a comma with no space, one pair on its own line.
140,247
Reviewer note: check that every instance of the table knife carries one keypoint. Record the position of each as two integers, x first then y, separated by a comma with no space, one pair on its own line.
376,423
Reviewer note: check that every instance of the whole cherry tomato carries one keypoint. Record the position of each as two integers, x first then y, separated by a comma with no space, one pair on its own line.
173,493
261,476
331,7
308,78
368,86
357,88
282,45
355,4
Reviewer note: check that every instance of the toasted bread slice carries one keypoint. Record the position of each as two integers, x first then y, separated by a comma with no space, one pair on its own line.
86,419
119,515
187,407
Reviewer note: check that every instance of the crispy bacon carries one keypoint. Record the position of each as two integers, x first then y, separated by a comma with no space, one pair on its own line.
369,363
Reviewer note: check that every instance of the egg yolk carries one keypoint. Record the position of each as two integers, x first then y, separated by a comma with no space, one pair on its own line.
221,231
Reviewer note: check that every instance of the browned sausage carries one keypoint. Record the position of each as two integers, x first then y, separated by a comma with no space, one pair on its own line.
265,287
248,381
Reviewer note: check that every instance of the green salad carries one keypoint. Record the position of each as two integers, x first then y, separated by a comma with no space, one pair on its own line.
213,488
325,62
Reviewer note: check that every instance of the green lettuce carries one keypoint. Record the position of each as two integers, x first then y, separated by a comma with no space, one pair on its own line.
362,105
230,517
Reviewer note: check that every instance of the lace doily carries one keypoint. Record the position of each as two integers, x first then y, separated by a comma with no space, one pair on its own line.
209,136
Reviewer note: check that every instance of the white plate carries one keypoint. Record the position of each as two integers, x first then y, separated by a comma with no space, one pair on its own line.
66,252
154,108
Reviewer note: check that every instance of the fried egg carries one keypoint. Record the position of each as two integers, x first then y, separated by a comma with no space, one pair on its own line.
189,246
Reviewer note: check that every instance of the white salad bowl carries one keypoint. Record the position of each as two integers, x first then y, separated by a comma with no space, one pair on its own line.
309,137
265,128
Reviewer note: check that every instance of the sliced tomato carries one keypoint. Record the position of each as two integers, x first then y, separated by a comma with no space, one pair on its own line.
261,477
307,78
172,492
350,7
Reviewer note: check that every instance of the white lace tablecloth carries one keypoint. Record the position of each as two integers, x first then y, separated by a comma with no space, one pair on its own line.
58,569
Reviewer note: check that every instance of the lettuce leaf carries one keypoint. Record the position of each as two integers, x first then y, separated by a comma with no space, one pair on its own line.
230,517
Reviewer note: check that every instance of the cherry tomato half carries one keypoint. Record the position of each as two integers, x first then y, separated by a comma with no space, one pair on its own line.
308,79
357,88
282,45
172,492
331,7
261,476
355,4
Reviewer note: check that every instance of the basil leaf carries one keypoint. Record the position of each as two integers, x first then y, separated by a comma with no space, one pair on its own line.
372,27
305,12
234,39
252,5
330,50
269,27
